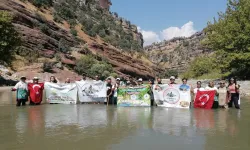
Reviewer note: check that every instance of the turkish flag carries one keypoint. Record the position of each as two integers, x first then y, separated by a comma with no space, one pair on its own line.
204,99
36,92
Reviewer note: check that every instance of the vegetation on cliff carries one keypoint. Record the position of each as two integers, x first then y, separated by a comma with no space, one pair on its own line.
229,37
9,37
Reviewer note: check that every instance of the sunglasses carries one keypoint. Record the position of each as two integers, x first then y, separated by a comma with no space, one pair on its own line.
222,83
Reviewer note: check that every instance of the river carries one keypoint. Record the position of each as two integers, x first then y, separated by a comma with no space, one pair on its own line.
99,127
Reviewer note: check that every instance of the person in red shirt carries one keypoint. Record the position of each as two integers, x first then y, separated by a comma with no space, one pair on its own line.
35,92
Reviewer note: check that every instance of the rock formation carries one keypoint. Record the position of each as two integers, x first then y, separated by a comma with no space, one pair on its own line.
177,53
44,40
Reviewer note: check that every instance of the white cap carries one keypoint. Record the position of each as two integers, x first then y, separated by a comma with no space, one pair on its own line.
140,79
172,77
35,78
118,79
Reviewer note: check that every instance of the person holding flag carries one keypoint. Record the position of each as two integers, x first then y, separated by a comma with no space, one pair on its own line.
35,92
211,87
22,92
206,99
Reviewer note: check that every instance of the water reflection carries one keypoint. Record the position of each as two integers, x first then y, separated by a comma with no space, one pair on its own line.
100,127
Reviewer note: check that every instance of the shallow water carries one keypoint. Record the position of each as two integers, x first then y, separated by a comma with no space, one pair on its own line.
98,127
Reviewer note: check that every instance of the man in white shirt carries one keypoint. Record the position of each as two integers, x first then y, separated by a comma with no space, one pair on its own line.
22,91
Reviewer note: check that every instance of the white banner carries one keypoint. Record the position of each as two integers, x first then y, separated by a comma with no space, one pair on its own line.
92,91
177,96
61,93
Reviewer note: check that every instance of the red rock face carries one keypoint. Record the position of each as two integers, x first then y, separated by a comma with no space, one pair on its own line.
105,3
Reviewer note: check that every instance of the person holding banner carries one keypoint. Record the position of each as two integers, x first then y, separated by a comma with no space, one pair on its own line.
159,81
211,87
35,92
22,91
233,93
172,80
140,82
151,93
53,79
109,91
115,88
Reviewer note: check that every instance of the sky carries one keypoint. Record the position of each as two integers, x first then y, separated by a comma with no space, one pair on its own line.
160,20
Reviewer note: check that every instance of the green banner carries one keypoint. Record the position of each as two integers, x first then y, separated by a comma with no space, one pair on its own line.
136,96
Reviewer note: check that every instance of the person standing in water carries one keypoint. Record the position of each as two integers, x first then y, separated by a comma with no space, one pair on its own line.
198,88
172,80
53,79
222,90
22,91
151,85
35,91
159,81
140,82
115,88
211,87
109,91
233,93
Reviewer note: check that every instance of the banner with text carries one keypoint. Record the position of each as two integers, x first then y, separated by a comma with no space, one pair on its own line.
92,91
137,96
174,95
61,93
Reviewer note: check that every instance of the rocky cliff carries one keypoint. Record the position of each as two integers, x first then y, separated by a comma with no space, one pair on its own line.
177,53
49,34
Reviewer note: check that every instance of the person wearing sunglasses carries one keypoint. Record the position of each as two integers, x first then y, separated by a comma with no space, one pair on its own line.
222,90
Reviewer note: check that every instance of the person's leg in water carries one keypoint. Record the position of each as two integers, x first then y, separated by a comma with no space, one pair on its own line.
18,102
23,102
235,99
230,103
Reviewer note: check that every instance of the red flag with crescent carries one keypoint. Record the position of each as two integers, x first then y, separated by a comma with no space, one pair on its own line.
204,99
36,92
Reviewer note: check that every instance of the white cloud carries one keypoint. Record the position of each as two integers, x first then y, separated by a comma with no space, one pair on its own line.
150,36
185,31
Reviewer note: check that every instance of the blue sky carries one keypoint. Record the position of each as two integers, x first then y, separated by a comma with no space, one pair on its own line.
165,19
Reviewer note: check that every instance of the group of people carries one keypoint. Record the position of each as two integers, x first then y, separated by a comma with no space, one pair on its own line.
24,88
226,95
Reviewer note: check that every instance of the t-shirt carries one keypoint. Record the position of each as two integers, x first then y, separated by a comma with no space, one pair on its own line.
109,89
36,92
115,91
196,90
213,89
22,90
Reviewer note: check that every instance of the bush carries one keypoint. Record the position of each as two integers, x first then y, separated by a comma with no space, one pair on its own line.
115,75
47,67
84,64
101,69
170,73
57,18
40,3
73,32
9,38
63,46
44,28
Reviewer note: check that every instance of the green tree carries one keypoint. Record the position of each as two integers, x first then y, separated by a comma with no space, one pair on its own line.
84,64
229,35
9,38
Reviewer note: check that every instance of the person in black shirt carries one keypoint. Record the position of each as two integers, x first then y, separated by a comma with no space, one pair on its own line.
109,91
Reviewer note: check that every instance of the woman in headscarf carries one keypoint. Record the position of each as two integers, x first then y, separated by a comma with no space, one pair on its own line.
233,93
53,79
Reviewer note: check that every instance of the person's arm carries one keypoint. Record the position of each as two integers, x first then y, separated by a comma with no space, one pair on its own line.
15,87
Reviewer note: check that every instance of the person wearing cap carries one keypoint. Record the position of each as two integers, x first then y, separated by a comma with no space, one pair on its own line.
172,80
109,91
35,91
22,91
140,82
115,88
